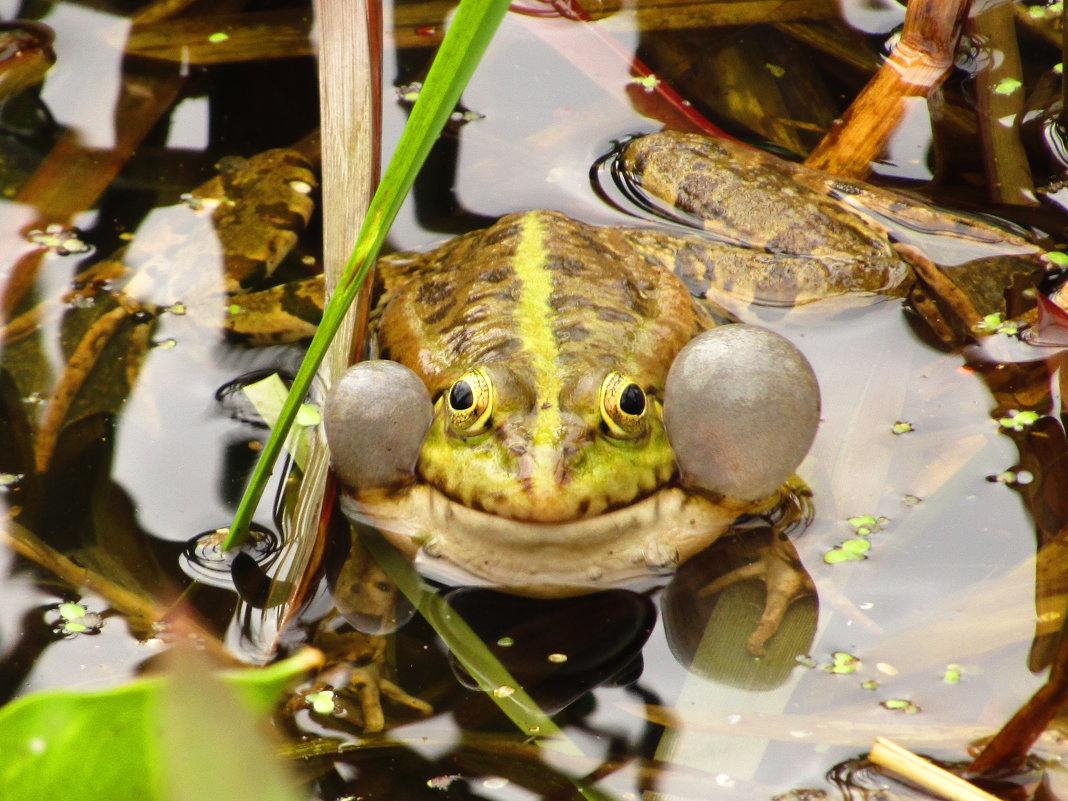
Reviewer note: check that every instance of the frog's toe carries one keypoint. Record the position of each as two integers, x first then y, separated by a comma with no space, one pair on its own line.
398,695
376,419
741,407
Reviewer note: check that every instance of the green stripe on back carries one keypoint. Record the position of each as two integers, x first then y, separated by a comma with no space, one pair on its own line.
534,321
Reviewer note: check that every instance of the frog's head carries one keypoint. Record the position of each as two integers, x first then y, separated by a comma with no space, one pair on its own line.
547,452
601,478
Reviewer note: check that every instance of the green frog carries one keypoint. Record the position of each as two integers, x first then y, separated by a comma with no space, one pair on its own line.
555,408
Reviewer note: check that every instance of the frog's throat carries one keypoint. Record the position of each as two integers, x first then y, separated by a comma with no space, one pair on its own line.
549,560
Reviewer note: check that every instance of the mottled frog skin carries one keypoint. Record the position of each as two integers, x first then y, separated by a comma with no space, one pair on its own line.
547,307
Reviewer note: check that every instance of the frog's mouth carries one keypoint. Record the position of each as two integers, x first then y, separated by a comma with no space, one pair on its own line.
650,537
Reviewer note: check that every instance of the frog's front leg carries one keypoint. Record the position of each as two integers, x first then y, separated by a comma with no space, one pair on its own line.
356,676
352,683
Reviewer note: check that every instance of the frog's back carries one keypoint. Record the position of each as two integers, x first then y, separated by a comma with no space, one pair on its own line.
543,292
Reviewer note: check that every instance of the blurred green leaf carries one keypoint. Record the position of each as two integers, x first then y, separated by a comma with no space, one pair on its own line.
183,737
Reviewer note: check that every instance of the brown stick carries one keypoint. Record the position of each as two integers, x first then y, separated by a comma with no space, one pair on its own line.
926,774
1007,751
1000,100
917,67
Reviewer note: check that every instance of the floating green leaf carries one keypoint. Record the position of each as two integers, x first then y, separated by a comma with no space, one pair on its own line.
900,705
866,525
843,663
322,702
849,551
1006,86
993,323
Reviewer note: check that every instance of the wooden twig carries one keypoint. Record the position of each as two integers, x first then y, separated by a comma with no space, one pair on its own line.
927,775
1000,100
1007,751
916,67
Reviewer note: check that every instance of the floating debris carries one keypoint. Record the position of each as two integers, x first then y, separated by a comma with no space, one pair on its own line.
409,92
64,241
1021,477
1018,421
900,705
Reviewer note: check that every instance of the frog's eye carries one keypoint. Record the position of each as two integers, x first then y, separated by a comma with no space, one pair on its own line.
470,403
623,406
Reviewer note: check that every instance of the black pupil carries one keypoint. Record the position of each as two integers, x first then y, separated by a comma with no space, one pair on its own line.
461,397
632,399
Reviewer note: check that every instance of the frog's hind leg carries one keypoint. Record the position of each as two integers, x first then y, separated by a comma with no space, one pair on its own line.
281,314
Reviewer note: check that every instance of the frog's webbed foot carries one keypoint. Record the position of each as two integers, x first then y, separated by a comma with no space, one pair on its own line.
351,687
785,581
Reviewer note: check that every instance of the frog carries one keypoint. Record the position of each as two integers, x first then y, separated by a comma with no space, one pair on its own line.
553,408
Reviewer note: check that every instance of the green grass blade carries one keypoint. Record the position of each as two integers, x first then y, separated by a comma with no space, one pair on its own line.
470,32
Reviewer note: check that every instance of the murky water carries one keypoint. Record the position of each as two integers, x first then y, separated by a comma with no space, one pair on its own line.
950,577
